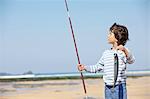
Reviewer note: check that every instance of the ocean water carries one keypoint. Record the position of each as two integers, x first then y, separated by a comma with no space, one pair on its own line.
71,74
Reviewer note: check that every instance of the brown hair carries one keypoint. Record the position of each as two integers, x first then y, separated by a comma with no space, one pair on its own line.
120,32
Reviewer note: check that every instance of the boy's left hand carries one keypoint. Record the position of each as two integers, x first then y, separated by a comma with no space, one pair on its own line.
122,48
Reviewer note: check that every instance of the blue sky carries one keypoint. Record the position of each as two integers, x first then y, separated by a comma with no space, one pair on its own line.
35,34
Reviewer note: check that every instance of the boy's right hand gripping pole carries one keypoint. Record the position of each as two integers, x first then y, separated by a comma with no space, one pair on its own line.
75,44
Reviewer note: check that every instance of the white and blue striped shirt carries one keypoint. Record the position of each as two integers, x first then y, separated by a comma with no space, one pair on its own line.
106,63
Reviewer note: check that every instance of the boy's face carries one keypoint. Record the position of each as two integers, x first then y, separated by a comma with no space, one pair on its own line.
111,38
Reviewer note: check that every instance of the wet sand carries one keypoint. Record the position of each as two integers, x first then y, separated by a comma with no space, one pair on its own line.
137,88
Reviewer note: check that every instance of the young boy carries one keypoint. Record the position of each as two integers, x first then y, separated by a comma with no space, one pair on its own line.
115,87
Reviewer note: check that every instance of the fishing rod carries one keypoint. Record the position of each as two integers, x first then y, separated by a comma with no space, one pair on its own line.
75,45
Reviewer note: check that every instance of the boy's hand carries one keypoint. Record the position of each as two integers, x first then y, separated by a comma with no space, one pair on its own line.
81,67
122,48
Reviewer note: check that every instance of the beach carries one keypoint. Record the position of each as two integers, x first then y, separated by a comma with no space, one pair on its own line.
137,88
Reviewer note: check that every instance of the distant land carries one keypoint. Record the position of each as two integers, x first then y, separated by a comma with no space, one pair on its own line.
4,74
31,72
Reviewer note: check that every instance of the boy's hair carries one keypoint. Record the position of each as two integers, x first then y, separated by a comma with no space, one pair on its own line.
120,32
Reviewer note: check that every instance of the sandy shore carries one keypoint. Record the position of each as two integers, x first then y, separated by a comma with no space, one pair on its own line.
137,88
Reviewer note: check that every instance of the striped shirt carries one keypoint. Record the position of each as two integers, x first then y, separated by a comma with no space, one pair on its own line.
106,64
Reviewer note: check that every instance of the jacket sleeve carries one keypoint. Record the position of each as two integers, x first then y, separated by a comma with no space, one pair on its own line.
97,67
130,58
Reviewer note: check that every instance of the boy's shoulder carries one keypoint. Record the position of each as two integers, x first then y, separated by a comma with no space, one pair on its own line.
107,51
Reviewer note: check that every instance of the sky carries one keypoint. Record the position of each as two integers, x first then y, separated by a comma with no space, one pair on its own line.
35,34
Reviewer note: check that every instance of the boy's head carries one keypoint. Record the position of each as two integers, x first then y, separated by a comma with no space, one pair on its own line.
120,32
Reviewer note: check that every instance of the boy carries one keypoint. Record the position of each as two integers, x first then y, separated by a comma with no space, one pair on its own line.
115,87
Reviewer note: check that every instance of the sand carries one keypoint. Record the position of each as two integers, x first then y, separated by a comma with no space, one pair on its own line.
137,88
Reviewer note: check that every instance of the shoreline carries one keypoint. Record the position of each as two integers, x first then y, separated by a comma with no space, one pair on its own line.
58,78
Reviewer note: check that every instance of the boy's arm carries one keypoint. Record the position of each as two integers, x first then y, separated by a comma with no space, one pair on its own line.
92,68
96,68
129,56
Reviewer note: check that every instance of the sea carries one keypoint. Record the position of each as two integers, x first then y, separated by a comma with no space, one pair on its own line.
71,74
